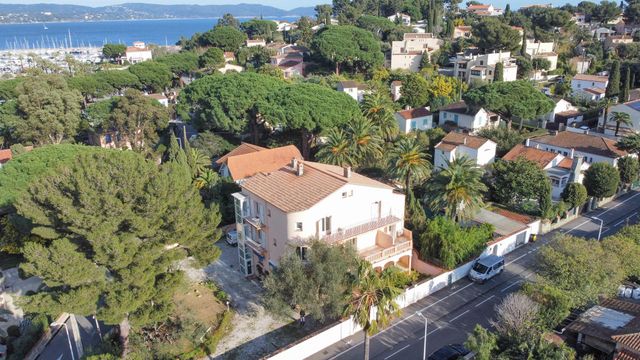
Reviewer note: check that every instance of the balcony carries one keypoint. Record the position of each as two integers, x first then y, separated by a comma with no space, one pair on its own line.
357,229
254,221
385,249
255,245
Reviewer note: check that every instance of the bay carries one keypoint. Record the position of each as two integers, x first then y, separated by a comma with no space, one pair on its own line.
96,34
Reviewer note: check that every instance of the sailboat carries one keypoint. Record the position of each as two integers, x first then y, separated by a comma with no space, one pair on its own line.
45,26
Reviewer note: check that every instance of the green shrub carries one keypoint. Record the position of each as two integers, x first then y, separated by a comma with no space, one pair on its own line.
13,330
224,327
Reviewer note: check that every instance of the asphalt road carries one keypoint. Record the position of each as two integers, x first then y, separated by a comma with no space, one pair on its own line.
453,312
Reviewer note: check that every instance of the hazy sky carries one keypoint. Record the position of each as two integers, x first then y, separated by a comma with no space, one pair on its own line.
283,4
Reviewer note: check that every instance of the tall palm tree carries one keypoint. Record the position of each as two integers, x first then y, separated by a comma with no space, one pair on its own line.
620,118
409,161
368,290
604,105
206,180
337,149
198,161
365,140
457,189
378,108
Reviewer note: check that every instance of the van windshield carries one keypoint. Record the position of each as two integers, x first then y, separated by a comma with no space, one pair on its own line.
479,268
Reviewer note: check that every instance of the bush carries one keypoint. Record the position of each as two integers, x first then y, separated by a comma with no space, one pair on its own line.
13,330
575,195
601,180
224,327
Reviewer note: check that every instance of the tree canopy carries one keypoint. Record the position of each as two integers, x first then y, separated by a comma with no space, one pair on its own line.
518,181
182,63
348,46
153,75
227,38
113,51
213,58
601,180
491,34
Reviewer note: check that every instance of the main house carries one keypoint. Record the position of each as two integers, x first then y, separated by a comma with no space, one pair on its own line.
543,51
280,211
591,148
408,53
468,118
247,160
455,145
471,66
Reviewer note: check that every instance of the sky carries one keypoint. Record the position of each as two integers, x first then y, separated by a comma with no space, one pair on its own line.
282,4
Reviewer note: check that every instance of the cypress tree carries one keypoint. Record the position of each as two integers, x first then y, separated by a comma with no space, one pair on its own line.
507,10
523,49
613,88
624,92
498,72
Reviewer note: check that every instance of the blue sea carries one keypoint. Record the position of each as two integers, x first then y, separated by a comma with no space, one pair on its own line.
98,33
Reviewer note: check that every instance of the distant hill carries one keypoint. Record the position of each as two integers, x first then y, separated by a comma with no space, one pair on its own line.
18,13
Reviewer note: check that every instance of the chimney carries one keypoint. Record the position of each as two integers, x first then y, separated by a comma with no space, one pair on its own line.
407,107
464,141
347,171
526,143
294,163
300,169
572,153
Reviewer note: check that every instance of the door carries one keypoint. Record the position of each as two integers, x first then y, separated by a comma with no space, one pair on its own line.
521,239
376,210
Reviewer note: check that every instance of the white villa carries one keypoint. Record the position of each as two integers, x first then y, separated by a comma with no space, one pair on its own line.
404,19
482,151
139,52
408,53
591,148
470,67
414,119
589,87
467,118
354,89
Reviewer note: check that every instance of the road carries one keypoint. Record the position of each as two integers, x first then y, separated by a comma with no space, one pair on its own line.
453,312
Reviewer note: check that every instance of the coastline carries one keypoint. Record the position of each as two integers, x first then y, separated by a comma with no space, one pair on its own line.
148,19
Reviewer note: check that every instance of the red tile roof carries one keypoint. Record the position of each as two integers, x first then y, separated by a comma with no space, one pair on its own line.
454,139
5,155
594,78
247,165
591,144
244,148
414,113
540,157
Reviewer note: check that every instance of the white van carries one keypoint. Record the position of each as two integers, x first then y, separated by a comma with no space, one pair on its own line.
485,268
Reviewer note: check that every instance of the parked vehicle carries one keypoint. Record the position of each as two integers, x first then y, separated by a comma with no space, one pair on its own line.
485,268
450,352
231,237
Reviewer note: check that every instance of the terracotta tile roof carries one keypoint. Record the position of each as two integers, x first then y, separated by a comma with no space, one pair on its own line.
569,113
477,7
289,192
626,355
418,36
630,341
414,113
595,91
566,163
525,219
459,108
590,144
244,148
289,64
454,139
246,165
136,49
627,333
396,83
229,55
158,96
540,157
464,28
594,78
5,155
349,84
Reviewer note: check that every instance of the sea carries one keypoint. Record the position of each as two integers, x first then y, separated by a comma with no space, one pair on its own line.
98,33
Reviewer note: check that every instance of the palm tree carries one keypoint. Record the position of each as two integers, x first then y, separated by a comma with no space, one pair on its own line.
409,160
604,105
198,161
370,289
206,180
378,108
337,149
365,140
620,118
457,189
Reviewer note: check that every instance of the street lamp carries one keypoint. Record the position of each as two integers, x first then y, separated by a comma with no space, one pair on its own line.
424,347
601,224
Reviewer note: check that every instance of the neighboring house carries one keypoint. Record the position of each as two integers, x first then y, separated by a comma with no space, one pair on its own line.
255,42
561,106
471,67
414,119
510,230
592,148
633,109
5,156
396,90
285,26
139,52
247,160
611,328
467,118
403,19
454,145
580,19
627,29
354,89
408,53
602,33
229,56
69,337
462,32
484,10
589,87
230,67
281,211
580,64
542,50
292,68
561,170
289,58
614,40
162,99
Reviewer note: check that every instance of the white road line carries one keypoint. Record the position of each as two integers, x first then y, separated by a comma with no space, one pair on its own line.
602,213
395,353
430,332
484,301
455,318
510,286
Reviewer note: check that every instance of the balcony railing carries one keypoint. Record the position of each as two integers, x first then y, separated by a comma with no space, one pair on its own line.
254,221
256,246
357,229
393,250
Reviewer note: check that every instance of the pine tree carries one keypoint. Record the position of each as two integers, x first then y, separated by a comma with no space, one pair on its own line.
613,88
624,92
523,49
498,74
507,11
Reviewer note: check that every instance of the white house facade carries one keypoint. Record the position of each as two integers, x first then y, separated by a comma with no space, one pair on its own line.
414,119
455,145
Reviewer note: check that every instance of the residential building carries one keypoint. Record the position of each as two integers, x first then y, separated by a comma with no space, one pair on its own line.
471,67
561,106
591,148
614,40
580,19
414,119
462,32
139,52
354,89
468,118
542,50
403,19
633,109
580,64
510,230
561,170
229,56
602,33
612,328
161,97
247,160
255,42
408,53
627,29
281,211
455,145
5,156
230,67
589,87
285,26
292,68
396,90
289,58
484,10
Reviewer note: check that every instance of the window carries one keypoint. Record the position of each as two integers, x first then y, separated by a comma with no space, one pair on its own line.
107,139
414,125
344,194
425,122
302,252
298,226
324,225
350,192
455,118
275,243
444,115
269,212
481,62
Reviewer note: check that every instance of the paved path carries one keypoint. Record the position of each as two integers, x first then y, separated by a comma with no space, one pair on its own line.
454,311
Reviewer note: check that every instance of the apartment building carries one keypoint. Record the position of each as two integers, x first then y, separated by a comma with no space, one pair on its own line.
542,50
281,211
471,67
408,53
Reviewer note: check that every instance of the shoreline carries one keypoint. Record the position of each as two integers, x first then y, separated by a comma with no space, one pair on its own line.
147,19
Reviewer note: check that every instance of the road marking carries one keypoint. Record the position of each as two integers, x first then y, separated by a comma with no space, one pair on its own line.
485,300
510,286
455,318
395,353
602,213
430,332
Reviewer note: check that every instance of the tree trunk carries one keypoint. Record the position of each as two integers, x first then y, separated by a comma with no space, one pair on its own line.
407,184
305,144
366,344
337,68
521,124
617,128
124,336
509,122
